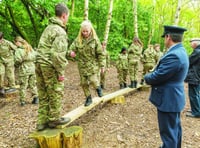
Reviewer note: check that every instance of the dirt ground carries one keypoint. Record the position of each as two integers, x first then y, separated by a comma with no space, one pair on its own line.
129,125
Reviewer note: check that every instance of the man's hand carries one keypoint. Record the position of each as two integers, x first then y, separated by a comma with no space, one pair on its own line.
61,78
102,69
72,54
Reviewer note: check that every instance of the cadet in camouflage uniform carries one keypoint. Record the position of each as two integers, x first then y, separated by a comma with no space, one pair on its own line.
2,73
50,69
148,60
134,54
7,49
103,75
25,60
122,68
91,58
158,53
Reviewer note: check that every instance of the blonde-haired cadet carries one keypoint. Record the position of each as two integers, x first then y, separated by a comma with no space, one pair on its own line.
25,59
90,59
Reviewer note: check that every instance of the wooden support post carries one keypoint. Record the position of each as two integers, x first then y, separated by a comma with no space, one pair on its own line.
118,100
70,137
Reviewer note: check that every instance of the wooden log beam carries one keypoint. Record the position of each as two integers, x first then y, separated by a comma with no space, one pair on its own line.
76,113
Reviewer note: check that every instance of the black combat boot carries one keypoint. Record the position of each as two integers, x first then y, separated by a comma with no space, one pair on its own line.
10,90
142,82
125,85
88,100
135,84
99,91
41,127
121,86
132,84
61,121
2,91
22,103
102,86
35,100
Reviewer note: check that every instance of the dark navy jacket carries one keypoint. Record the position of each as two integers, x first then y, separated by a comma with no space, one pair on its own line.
193,76
167,80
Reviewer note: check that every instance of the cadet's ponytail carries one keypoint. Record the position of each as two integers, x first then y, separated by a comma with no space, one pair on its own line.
24,43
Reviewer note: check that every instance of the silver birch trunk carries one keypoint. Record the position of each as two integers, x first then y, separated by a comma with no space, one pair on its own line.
177,15
151,33
135,22
108,22
72,10
86,9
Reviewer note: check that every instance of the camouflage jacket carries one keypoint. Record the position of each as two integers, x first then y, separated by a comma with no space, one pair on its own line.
53,46
7,50
122,62
149,56
158,55
25,62
134,52
90,56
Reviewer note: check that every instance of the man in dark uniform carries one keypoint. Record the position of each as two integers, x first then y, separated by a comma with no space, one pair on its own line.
167,82
193,79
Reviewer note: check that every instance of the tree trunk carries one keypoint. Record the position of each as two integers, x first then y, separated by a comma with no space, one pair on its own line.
151,32
70,137
15,25
39,10
108,22
135,22
72,9
86,9
31,18
177,15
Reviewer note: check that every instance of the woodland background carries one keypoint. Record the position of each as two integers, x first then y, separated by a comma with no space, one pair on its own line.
131,125
128,18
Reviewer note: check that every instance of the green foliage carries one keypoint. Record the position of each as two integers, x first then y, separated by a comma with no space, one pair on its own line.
29,18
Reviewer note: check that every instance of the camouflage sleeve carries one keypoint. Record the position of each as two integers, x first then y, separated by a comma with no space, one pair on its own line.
118,62
12,46
108,60
59,60
100,55
71,48
18,56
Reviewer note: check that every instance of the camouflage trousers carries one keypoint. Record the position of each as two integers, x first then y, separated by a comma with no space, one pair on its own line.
122,75
133,70
25,82
50,93
7,70
103,78
87,81
147,67
2,73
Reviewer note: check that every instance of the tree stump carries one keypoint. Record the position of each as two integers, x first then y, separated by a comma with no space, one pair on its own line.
70,137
